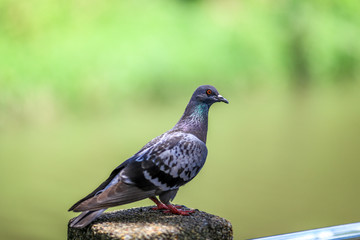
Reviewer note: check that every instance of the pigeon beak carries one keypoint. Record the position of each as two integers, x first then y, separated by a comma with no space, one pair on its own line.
222,99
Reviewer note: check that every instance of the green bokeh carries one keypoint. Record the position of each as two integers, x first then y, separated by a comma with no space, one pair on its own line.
84,84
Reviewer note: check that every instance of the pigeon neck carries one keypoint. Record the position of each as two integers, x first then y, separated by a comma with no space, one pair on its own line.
195,120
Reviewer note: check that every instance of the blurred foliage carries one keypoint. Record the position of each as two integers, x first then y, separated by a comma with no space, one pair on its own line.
82,51
83,84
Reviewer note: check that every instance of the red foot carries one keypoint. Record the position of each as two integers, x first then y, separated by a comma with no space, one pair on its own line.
177,210
178,206
160,206
169,208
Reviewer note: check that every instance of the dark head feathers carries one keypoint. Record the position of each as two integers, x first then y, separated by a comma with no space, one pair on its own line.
207,94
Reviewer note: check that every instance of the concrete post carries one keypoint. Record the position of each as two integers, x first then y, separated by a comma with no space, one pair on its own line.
145,223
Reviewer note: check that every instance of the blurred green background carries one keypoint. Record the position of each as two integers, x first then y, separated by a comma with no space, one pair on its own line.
85,84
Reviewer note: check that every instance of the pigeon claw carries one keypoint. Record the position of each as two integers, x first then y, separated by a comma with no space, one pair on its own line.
177,210
160,207
169,208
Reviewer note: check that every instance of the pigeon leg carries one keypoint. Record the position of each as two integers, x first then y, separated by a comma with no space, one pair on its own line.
159,205
179,211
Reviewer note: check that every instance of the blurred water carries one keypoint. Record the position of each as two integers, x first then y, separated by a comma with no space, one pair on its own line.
277,163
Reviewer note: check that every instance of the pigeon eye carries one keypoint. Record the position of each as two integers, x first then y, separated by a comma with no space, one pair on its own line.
208,92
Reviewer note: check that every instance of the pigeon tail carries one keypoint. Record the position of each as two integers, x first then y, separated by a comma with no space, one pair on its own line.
85,218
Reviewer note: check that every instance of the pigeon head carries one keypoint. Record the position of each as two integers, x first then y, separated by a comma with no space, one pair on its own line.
195,118
207,94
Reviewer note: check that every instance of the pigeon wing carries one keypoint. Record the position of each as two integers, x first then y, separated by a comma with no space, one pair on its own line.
118,194
168,164
102,185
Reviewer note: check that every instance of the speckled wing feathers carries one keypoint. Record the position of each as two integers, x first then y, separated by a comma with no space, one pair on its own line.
168,164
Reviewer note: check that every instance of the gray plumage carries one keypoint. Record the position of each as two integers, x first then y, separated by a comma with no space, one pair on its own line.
159,168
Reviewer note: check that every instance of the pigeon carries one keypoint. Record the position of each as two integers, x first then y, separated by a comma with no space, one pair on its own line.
159,168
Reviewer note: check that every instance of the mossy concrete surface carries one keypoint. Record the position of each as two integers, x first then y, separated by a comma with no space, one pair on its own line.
145,223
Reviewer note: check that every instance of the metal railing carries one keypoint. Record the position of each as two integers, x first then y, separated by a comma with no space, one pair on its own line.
346,231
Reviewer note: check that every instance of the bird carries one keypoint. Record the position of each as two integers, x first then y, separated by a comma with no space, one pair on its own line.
159,168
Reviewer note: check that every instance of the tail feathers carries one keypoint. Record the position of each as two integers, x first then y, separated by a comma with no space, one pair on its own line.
85,218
